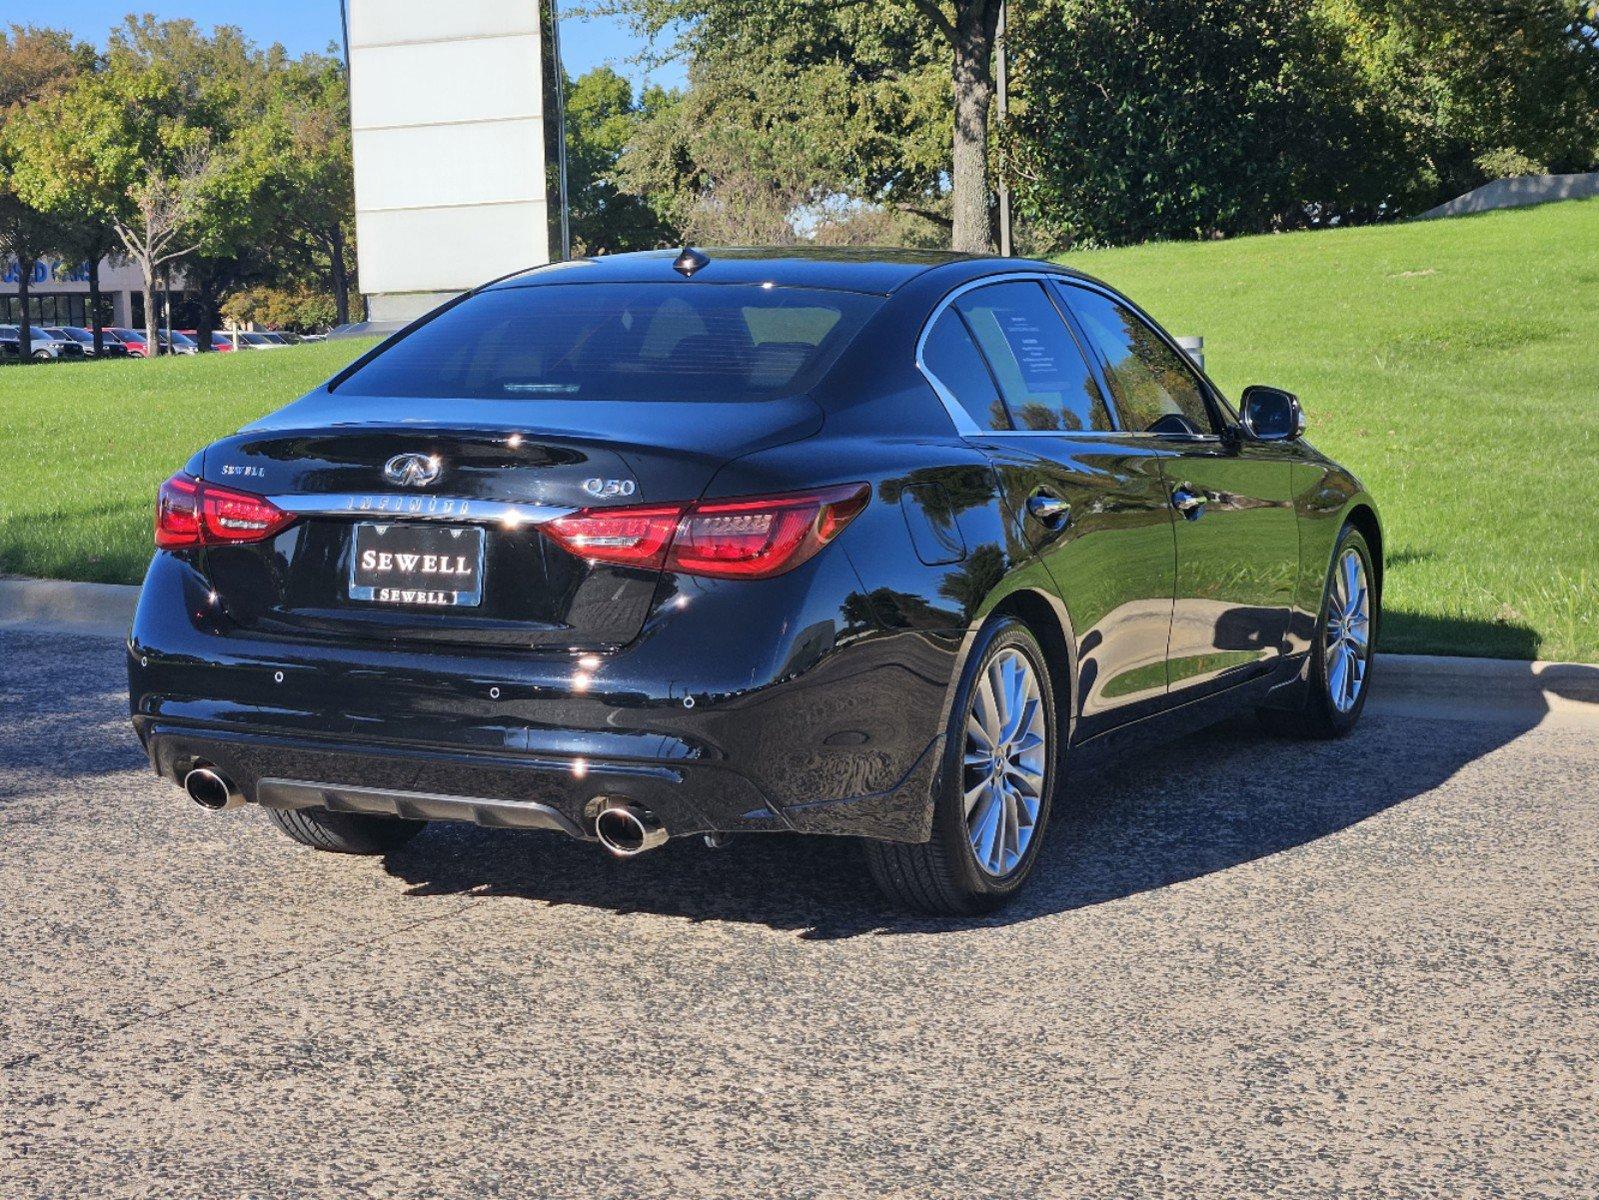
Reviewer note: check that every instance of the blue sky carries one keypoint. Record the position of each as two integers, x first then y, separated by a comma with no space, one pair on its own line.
311,24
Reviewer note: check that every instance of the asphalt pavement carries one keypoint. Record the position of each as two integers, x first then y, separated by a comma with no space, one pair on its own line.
1249,967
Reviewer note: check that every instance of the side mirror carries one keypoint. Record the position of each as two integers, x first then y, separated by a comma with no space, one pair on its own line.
1270,414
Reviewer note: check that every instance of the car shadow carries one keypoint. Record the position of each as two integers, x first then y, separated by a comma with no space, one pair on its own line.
1215,800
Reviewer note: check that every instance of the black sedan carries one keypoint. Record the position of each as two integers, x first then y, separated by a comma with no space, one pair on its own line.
735,541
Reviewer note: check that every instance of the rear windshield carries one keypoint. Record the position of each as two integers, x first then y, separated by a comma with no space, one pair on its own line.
605,341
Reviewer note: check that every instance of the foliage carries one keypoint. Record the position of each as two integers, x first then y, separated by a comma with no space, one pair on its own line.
1142,120
832,97
299,308
601,119
35,65
1483,90
196,148
1213,118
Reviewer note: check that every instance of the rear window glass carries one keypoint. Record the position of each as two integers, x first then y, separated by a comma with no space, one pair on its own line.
650,341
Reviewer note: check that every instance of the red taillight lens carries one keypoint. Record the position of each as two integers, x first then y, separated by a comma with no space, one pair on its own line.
633,537
231,516
752,538
764,536
177,513
191,512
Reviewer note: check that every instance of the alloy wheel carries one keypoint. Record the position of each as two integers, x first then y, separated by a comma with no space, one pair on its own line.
1006,754
1348,641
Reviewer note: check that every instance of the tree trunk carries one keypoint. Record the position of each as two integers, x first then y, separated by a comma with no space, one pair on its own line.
94,306
341,278
975,21
24,321
152,344
204,325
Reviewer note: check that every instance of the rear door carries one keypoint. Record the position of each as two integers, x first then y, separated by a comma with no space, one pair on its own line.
1088,500
1236,532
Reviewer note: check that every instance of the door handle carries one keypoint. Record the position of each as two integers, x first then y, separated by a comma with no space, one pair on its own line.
1191,504
1049,509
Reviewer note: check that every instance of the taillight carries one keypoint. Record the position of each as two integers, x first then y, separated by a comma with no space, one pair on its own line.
177,513
753,538
634,537
191,512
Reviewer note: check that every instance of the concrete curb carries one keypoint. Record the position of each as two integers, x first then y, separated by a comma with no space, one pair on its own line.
1419,683
56,606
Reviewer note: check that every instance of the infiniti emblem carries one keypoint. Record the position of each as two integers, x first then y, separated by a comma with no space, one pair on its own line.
413,470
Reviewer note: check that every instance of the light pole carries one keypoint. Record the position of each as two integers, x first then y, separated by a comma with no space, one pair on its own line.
560,125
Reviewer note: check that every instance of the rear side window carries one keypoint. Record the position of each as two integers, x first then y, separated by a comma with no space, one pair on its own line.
953,358
1042,374
1156,390
604,341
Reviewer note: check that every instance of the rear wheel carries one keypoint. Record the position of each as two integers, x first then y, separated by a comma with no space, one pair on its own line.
1342,651
993,798
344,833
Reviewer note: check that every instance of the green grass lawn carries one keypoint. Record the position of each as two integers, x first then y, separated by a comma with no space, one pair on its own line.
85,445
1453,365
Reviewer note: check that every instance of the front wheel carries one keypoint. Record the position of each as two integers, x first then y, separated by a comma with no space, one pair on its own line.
993,797
345,833
1342,651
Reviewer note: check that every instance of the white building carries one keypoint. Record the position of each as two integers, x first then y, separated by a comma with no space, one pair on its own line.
447,108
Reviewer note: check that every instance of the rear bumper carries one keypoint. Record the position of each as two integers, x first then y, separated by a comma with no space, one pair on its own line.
800,725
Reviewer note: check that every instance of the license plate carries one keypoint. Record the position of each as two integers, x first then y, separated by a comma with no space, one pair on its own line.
439,566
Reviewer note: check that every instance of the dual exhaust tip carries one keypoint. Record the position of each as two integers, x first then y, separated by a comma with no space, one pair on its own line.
625,829
210,789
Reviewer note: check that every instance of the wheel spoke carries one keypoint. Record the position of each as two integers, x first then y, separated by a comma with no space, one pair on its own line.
1337,675
974,794
1351,578
983,820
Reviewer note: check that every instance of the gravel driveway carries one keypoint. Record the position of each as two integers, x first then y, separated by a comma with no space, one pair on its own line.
1247,968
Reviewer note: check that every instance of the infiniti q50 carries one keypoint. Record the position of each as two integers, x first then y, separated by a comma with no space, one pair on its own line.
723,542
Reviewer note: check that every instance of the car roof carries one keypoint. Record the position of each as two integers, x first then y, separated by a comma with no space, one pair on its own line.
844,268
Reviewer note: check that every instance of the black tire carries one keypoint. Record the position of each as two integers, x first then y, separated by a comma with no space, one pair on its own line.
344,833
1318,717
941,876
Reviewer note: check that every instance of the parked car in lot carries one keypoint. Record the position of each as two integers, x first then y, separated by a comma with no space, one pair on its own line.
748,542
43,345
220,341
110,345
133,339
177,342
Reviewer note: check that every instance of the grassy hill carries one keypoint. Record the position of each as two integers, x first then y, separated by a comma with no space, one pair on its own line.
85,445
1453,365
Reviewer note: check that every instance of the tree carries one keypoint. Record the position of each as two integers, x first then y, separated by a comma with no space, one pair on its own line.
309,122
34,64
1483,90
814,29
601,120
1206,119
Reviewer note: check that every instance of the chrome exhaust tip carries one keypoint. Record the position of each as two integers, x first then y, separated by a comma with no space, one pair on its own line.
210,790
626,829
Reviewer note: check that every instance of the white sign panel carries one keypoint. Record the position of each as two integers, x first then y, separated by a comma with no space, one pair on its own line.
447,108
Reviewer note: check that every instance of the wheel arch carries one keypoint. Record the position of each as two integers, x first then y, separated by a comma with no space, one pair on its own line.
1047,620
1364,518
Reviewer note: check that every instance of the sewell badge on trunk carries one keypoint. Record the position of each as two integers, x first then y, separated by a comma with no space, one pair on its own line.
435,565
